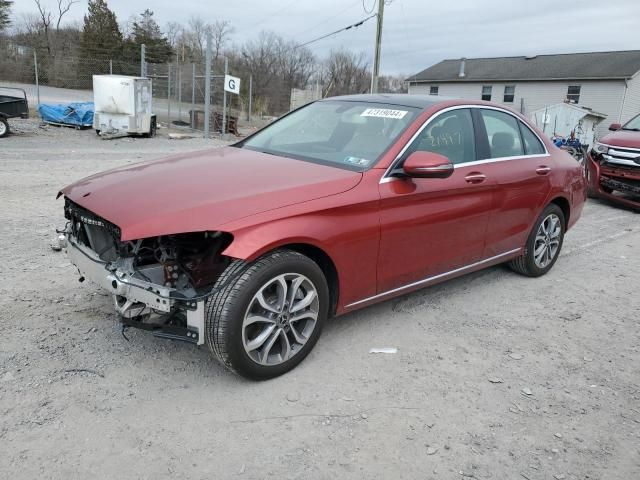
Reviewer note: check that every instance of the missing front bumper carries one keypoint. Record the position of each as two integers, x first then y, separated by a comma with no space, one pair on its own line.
134,297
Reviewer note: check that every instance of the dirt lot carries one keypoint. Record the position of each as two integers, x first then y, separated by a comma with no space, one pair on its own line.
496,376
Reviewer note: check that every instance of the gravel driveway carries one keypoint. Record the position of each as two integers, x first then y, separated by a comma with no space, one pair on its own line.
496,376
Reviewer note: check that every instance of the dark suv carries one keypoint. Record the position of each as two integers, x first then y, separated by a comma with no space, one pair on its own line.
613,165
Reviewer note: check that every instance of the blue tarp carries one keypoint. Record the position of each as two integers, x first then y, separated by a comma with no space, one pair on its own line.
79,114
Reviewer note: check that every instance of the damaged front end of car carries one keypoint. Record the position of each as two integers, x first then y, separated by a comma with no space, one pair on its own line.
158,284
615,173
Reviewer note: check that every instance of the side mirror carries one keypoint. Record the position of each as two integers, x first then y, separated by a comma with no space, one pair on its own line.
427,165
615,126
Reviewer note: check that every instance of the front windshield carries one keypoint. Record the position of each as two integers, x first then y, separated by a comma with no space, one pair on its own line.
346,134
633,124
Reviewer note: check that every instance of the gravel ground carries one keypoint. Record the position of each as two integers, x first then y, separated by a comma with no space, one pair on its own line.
496,375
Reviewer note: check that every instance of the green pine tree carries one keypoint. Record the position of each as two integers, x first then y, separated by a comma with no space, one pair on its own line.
5,8
147,31
101,35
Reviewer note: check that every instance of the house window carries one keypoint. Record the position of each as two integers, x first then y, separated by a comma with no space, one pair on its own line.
433,90
509,93
573,94
486,92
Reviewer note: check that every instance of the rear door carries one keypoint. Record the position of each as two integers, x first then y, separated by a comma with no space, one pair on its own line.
431,226
519,164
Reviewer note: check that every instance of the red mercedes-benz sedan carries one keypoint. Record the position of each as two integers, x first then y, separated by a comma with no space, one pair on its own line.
340,204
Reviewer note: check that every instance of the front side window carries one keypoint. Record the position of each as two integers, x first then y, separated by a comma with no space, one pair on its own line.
503,134
573,94
486,92
351,135
509,93
449,134
433,90
532,145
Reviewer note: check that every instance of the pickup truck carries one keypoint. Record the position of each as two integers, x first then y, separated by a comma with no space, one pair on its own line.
613,165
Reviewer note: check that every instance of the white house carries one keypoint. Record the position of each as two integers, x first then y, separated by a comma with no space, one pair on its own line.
607,82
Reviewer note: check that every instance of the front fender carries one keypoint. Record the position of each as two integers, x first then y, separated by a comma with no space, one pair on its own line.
344,227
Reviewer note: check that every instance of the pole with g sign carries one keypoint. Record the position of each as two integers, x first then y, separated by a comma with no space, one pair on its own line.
232,84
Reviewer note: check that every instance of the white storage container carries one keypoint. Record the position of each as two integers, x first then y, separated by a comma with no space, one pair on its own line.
123,105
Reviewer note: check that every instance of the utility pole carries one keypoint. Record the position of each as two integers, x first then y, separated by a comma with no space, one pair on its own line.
376,59
207,87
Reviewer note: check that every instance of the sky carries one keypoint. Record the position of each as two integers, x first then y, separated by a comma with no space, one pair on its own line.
416,33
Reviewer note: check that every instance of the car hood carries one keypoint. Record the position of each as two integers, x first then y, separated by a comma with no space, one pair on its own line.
622,138
201,191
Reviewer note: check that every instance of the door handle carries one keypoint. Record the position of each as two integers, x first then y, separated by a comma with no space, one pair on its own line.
475,177
543,170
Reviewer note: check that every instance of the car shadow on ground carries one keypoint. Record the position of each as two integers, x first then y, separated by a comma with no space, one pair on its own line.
200,362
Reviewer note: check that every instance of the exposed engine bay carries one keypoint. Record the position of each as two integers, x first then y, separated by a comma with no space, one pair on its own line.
157,283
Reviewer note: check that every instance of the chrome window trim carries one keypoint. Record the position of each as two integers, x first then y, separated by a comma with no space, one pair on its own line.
386,178
433,278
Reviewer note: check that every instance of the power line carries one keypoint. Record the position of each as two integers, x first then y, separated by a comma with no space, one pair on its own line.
272,14
354,25
366,10
307,30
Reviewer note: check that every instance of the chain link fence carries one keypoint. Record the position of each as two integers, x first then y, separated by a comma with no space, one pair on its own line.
179,88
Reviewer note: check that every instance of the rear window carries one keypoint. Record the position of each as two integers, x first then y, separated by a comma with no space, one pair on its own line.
532,145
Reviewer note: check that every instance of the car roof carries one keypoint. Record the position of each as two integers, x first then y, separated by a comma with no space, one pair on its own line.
399,99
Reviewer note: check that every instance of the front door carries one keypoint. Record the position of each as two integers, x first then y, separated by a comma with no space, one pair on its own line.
434,226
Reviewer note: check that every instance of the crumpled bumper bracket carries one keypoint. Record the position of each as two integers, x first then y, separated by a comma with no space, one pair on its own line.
131,295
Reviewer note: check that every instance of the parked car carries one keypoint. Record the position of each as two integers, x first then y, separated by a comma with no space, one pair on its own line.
613,165
12,106
338,205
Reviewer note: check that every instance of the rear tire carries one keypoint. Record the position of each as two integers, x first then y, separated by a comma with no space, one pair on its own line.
4,127
254,323
543,245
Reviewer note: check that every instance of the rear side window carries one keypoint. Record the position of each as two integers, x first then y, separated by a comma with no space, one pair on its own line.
449,134
532,145
503,134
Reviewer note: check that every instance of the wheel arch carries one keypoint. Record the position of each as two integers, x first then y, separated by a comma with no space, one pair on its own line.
304,246
565,206
326,264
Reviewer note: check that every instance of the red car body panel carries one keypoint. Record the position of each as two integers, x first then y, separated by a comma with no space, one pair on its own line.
383,237
204,190
426,226
621,139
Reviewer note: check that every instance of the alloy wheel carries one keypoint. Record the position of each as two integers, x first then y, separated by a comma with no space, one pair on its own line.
547,242
281,317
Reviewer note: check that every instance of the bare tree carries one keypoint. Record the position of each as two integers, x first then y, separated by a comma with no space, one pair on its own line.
221,30
346,72
47,17
197,36
63,7
173,31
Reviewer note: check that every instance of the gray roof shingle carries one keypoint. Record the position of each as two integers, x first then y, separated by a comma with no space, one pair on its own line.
568,66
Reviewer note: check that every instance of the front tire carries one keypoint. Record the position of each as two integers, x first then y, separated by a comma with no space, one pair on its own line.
266,316
543,245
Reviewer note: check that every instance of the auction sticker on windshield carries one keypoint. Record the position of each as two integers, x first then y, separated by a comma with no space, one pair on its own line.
384,113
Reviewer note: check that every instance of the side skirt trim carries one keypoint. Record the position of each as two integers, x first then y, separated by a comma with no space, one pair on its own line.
434,278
